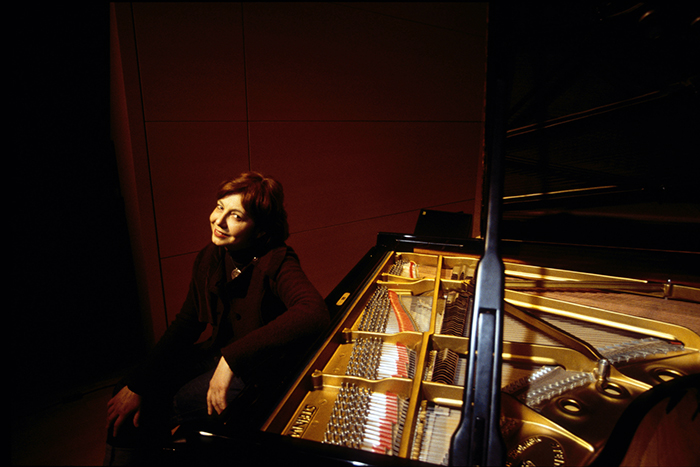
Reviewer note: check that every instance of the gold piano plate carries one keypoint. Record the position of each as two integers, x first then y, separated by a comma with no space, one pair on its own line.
578,349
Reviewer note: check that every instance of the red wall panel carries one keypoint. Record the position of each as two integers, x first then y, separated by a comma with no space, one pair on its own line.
191,60
459,16
320,61
341,172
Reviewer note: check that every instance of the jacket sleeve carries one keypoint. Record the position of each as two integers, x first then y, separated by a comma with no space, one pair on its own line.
305,318
180,334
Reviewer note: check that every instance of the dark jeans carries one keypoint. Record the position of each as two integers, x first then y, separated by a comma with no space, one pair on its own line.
171,404
190,402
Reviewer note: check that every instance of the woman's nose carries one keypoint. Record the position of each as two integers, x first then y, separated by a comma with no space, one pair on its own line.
221,219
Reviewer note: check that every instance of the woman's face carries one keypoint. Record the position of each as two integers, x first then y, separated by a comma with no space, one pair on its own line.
231,227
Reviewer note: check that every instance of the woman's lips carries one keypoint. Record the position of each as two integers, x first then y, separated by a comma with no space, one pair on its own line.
220,234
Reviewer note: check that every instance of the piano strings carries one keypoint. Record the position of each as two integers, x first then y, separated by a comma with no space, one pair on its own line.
372,358
434,429
386,312
367,420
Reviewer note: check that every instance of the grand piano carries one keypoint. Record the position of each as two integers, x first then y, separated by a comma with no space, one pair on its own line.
597,355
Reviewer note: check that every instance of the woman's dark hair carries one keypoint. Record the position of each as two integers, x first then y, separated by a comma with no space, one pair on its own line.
263,200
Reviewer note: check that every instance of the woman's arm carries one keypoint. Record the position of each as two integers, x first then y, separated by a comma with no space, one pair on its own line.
218,386
306,316
182,332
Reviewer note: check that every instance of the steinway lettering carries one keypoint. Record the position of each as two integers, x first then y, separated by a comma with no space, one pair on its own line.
537,450
302,422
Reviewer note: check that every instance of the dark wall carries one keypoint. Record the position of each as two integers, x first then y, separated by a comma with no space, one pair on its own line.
73,297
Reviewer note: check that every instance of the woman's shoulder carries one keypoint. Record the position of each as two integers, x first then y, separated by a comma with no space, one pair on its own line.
273,259
208,252
208,257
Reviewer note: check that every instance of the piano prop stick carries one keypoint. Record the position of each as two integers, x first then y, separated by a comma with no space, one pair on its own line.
478,440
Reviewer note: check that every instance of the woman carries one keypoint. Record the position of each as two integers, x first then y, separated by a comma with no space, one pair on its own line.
248,285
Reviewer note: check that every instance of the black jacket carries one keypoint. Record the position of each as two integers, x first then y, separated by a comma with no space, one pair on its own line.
270,310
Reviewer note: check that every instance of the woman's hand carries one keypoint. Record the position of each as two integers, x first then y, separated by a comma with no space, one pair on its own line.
218,386
121,406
